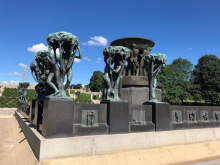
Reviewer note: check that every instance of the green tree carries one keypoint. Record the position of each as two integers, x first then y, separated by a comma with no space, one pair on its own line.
206,76
77,86
175,78
95,81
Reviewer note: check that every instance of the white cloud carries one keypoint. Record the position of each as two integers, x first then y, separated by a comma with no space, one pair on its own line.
76,60
11,74
99,60
22,65
4,82
86,58
96,41
16,74
37,47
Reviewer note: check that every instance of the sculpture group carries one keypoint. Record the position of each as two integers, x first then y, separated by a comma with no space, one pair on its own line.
50,67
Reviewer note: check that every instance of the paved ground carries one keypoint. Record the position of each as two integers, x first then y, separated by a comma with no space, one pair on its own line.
15,150
213,162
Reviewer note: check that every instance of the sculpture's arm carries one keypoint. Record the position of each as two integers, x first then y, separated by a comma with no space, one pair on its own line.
61,56
35,78
48,58
117,69
49,48
72,57
80,54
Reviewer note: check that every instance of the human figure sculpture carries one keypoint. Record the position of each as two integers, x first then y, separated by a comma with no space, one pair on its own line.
113,76
217,116
205,116
50,68
154,63
22,87
141,61
107,81
134,53
66,55
45,74
191,116
177,117
90,118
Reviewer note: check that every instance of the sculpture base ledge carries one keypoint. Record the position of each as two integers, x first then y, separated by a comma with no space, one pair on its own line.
57,98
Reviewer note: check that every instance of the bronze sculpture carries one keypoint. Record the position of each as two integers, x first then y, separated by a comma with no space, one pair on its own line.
113,76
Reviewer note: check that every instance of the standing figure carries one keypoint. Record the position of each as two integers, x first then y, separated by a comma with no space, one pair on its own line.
154,63
142,67
66,55
107,82
113,77
134,53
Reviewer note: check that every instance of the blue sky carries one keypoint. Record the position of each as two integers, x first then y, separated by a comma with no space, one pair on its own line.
179,28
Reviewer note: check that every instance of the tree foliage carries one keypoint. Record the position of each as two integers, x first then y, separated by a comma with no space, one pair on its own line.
206,76
95,81
175,78
77,86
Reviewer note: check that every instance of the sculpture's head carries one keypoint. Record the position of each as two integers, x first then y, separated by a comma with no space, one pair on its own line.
133,46
33,66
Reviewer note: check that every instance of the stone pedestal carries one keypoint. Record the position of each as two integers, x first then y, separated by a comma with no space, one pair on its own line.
161,116
57,119
32,111
38,114
22,107
140,118
117,116
90,119
135,90
178,119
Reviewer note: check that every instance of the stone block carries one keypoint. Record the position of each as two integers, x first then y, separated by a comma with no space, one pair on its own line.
135,89
23,107
90,119
38,114
199,135
161,116
165,138
117,116
140,118
178,120
57,119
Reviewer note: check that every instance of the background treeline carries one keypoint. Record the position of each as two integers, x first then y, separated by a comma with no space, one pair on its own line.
185,84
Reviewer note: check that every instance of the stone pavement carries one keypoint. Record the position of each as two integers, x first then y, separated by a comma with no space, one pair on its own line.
15,150
213,162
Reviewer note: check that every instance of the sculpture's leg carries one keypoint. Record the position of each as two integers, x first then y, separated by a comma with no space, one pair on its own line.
49,82
120,86
107,86
137,67
69,78
142,68
129,68
151,81
154,86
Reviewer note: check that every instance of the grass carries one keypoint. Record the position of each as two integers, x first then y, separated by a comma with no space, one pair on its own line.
10,97
84,98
